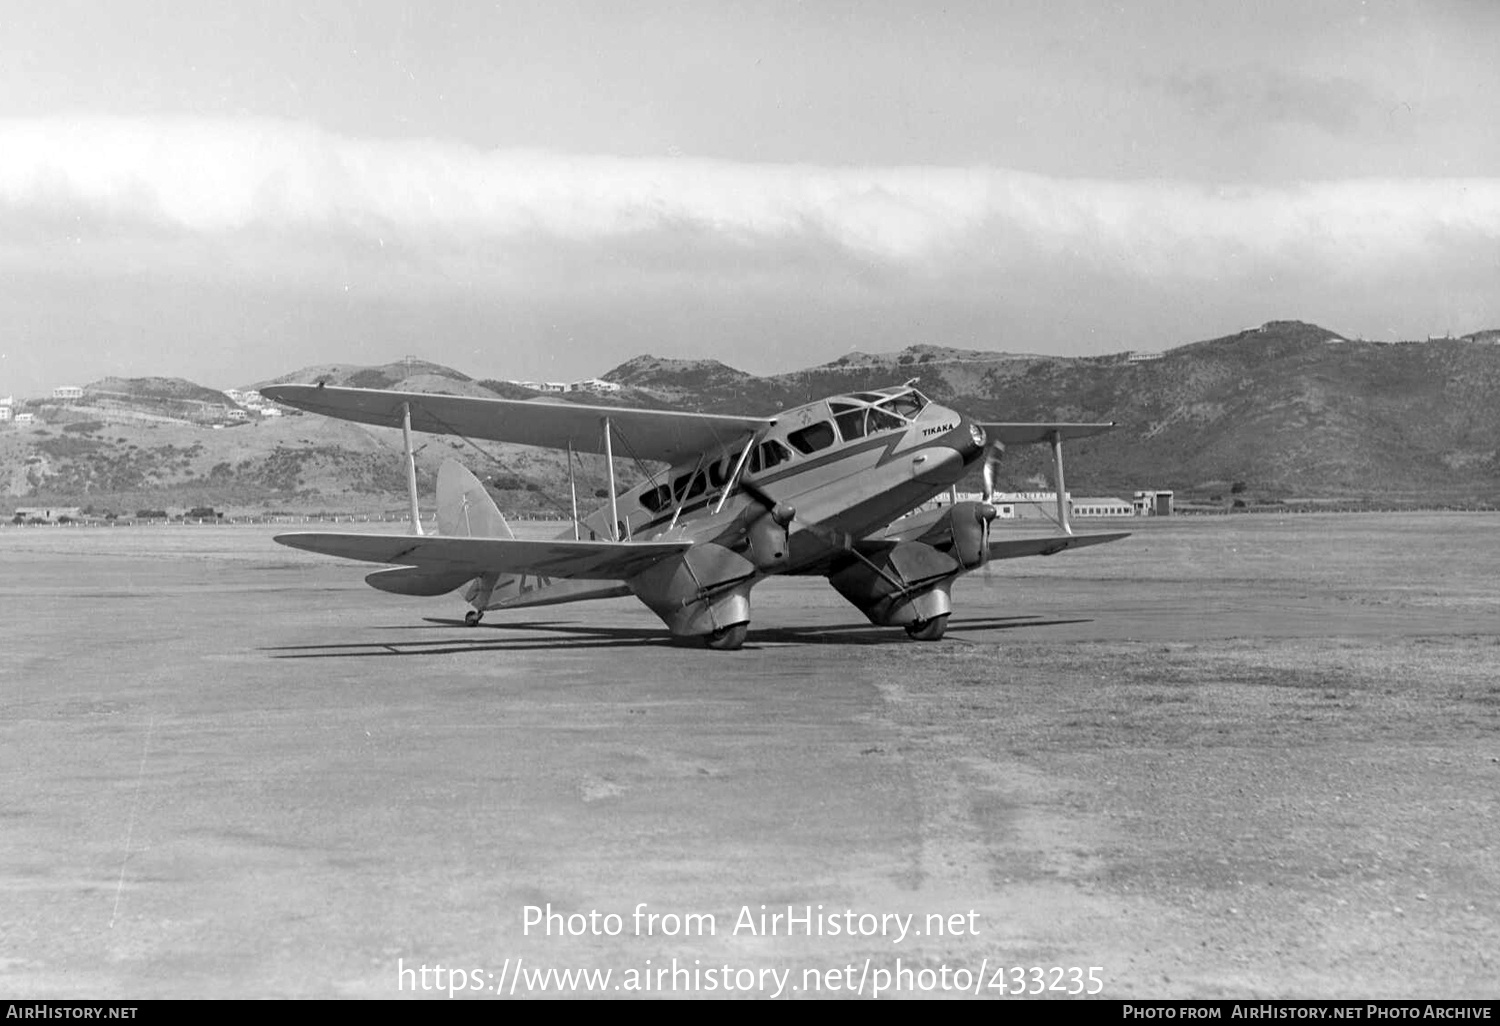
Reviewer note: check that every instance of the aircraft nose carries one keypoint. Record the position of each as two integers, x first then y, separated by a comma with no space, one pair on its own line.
977,437
937,464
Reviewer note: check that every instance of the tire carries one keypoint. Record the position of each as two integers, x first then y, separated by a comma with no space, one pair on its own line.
928,630
727,639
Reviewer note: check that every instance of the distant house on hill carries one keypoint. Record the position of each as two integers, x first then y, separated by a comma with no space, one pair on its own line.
1134,356
593,385
67,392
25,418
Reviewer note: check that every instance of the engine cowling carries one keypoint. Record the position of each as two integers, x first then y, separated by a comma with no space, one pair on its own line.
964,533
766,537
905,584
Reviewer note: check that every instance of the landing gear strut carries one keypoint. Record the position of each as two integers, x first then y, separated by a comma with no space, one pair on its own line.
928,630
727,639
473,616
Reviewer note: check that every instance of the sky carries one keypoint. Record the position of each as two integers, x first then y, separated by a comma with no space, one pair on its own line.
228,191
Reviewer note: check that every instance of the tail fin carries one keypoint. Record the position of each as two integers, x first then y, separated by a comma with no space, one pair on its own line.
465,509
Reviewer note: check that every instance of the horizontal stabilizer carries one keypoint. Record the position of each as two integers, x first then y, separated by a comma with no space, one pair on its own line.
1018,547
1036,434
588,560
418,580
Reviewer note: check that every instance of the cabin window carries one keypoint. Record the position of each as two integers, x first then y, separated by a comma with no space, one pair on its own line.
700,483
718,473
768,455
657,499
879,420
813,438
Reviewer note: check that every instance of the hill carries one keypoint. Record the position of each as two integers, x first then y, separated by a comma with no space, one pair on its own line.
1286,409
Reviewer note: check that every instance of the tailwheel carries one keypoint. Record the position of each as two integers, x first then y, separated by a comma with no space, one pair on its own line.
727,639
928,630
473,616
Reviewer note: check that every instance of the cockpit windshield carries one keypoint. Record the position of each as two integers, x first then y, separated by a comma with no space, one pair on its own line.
905,402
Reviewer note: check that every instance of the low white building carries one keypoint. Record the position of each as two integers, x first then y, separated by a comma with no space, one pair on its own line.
1153,504
1103,507
51,514
67,392
25,418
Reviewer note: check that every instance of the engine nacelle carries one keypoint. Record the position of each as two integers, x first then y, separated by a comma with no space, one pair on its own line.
703,590
909,583
964,533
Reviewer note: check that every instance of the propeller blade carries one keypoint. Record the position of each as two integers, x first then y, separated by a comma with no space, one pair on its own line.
779,511
992,459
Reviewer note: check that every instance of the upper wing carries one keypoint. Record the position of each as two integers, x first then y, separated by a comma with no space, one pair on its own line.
1014,548
664,435
590,560
1025,434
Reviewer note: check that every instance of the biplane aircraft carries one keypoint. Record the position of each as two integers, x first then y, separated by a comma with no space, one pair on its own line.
820,490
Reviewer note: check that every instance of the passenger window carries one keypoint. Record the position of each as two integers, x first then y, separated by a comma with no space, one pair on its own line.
775,453
813,438
882,421
657,499
699,484
718,473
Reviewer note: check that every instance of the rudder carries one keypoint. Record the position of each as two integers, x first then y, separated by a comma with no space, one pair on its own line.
465,509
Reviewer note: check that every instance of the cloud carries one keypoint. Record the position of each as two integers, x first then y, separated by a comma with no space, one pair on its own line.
261,197
1257,95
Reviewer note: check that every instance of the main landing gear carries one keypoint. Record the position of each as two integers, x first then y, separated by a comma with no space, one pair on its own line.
928,630
473,616
727,639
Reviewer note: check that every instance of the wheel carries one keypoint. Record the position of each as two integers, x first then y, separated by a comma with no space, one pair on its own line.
928,630
473,616
727,639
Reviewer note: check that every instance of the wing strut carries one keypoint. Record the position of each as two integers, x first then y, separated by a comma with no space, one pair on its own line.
739,468
1057,479
573,489
411,468
614,507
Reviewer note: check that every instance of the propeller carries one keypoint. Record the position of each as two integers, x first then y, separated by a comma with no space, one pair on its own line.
767,531
780,512
992,457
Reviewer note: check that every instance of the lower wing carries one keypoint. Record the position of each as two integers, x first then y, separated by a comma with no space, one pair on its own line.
1018,547
588,560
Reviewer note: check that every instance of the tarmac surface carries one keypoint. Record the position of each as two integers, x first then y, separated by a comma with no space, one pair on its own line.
1247,756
